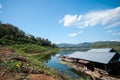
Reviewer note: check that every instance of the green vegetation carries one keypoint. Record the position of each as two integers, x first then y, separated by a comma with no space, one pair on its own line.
21,53
34,52
10,34
111,44
26,63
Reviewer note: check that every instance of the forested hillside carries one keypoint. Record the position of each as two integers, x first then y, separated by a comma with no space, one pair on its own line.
85,46
10,34
25,54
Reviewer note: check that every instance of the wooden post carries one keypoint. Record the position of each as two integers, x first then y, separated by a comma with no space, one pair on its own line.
105,67
93,65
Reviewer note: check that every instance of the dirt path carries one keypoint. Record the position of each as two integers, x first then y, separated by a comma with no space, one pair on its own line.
40,77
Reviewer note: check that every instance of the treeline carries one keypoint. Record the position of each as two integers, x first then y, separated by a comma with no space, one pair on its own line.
10,34
89,45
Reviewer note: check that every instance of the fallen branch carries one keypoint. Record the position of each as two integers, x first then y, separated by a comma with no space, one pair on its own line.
3,73
18,58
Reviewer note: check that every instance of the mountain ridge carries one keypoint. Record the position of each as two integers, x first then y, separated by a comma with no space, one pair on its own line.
88,45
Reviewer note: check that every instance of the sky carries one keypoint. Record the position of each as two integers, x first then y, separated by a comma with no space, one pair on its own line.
65,21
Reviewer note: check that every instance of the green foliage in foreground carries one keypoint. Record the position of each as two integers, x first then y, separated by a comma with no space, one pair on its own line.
25,68
36,55
35,65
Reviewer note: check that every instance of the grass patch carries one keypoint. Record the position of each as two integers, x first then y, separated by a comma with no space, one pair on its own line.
35,56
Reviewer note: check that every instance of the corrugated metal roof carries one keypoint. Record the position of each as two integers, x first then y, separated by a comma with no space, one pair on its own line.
100,50
101,57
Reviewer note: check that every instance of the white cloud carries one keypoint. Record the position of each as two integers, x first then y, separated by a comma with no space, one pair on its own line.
57,42
115,40
108,18
113,25
72,42
69,20
109,31
75,34
113,32
80,32
116,33
0,7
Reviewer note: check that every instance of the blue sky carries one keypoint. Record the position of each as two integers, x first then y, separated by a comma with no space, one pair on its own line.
65,21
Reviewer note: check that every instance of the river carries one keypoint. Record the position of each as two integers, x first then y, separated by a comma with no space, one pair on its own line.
53,62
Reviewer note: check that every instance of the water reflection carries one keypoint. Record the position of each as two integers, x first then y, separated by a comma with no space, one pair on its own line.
53,62
46,58
83,76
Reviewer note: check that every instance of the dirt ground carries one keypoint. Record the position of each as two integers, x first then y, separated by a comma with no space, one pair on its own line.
40,77
7,75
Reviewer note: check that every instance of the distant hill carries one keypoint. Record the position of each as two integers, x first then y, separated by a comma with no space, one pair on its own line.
87,45
66,45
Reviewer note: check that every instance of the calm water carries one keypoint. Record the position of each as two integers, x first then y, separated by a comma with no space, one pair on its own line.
54,62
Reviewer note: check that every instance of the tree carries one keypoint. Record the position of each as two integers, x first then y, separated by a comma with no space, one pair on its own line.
10,34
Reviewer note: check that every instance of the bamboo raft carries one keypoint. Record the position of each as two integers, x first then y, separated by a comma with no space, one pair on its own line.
97,74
